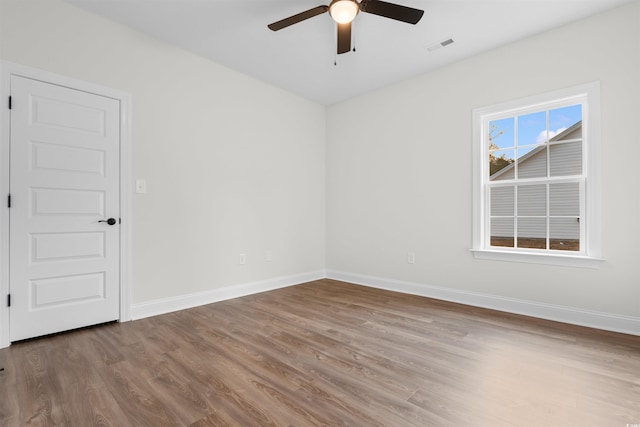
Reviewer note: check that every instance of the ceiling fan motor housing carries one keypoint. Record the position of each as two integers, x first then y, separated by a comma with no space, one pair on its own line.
343,11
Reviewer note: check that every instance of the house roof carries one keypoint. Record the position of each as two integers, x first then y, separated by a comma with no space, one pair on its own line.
532,153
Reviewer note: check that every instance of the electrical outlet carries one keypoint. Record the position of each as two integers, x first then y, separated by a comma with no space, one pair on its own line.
411,257
267,256
243,259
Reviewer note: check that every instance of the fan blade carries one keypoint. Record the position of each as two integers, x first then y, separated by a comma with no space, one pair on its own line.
344,38
319,10
391,10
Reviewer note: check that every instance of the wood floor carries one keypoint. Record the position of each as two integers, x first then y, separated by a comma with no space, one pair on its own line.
325,353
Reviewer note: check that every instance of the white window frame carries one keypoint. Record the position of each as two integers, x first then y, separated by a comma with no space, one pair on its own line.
590,254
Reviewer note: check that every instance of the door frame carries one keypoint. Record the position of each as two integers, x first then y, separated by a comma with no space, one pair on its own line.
8,69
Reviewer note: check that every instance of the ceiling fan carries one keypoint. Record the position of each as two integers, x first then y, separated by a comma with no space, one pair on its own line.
344,11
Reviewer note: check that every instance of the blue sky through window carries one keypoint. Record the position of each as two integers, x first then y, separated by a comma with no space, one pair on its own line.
532,128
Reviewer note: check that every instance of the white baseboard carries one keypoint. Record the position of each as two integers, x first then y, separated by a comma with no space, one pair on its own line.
181,302
575,316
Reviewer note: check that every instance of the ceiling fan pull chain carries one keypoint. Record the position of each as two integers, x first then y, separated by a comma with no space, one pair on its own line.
335,41
353,37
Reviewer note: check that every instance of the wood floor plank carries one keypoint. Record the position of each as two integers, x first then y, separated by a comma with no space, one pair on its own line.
325,353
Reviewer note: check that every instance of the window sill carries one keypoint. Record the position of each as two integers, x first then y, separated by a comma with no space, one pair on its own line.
533,258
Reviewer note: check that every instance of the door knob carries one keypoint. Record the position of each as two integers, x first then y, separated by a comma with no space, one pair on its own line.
110,221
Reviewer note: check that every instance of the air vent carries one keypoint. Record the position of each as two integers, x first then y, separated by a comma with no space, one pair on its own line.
439,45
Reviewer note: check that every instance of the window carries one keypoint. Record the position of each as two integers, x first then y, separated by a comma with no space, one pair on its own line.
536,179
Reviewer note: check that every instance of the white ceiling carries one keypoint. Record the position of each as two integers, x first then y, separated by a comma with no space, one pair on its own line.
301,58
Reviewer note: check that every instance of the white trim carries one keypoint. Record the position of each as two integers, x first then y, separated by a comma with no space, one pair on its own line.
558,313
4,211
591,160
591,255
535,102
539,258
182,302
7,69
126,213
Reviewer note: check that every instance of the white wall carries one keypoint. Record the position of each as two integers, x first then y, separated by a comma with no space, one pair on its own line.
399,171
232,165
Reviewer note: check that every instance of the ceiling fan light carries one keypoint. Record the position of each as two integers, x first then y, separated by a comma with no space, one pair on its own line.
343,11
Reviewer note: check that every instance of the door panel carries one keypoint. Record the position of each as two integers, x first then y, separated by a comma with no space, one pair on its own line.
66,115
67,159
57,291
66,246
64,263
56,202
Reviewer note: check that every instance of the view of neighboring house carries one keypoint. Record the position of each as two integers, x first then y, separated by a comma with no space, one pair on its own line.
566,158
563,158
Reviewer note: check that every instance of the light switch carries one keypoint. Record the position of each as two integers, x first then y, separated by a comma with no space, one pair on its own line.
141,186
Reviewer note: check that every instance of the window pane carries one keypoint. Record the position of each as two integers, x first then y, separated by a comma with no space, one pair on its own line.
532,200
532,128
502,201
501,164
564,234
532,233
565,159
501,134
562,119
502,232
532,162
564,199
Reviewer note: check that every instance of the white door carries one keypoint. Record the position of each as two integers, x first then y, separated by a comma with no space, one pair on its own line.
64,270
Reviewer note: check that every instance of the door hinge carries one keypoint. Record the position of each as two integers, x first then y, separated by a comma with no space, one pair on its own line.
8,300
9,103
9,200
